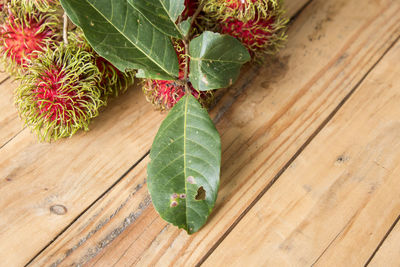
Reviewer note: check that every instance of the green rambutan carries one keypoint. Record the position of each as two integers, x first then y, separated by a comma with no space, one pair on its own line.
59,94
23,34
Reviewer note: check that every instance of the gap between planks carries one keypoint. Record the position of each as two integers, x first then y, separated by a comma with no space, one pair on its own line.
378,249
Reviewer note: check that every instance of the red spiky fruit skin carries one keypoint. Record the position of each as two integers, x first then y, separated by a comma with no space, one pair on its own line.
254,34
239,5
165,94
259,24
54,103
59,94
23,35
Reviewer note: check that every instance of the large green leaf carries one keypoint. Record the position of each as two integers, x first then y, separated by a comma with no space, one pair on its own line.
162,14
185,164
215,60
122,35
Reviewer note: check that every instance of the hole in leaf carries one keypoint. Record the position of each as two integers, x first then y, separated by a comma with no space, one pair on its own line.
201,194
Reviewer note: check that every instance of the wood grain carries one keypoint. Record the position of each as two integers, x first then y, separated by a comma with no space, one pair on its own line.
333,45
337,200
388,254
69,174
63,179
10,124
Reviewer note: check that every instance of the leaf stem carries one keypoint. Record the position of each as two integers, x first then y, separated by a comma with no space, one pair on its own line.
186,74
186,41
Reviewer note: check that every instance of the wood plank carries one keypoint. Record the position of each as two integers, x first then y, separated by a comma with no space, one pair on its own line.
389,253
331,47
64,178
71,173
335,203
10,123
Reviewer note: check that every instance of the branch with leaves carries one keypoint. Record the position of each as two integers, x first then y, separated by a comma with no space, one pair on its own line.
183,49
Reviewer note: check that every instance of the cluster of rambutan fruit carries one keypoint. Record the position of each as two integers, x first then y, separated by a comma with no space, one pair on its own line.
64,83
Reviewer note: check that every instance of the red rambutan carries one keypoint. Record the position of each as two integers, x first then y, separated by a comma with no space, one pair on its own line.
259,36
165,94
112,80
59,94
23,34
258,24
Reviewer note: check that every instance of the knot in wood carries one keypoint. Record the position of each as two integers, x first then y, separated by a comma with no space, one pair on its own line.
58,209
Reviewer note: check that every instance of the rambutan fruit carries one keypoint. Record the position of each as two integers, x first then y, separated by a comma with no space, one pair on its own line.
259,24
112,80
24,33
243,10
41,5
165,94
59,93
259,36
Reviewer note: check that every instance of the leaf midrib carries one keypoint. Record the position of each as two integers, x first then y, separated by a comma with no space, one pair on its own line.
184,158
126,37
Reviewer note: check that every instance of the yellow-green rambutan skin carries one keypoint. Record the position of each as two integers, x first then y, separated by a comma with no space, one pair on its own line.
243,10
59,95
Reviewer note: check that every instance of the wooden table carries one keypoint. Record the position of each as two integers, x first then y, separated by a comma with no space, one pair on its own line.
310,173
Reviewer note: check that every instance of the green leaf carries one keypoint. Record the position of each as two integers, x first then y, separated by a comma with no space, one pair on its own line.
162,14
122,35
183,175
215,60
185,26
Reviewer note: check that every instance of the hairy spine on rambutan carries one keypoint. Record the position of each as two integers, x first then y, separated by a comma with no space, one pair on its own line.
259,24
59,95
164,94
23,34
41,5
113,82
243,10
